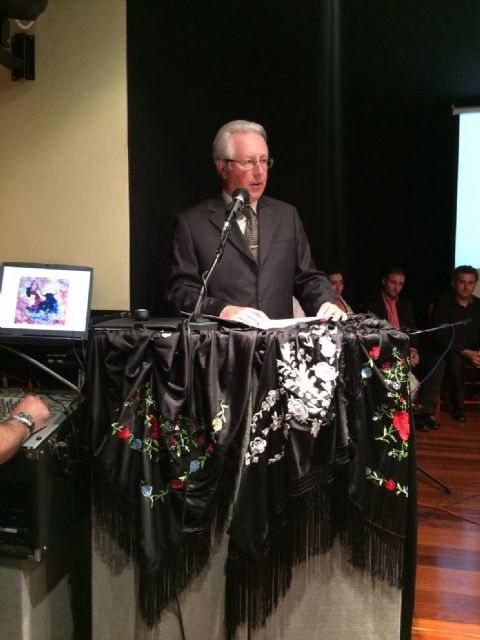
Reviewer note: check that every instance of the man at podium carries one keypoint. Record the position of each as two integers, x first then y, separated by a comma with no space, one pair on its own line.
267,258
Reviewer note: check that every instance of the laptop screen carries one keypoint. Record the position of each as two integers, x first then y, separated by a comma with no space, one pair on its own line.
44,300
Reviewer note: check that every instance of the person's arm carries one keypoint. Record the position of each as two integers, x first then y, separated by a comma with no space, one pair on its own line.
185,280
472,356
14,431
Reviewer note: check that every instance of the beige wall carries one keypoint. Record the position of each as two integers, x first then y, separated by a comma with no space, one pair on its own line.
63,148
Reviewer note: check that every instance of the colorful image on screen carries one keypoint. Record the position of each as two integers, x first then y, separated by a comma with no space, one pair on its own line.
42,301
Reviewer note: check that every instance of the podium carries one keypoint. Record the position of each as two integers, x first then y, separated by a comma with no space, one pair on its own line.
254,484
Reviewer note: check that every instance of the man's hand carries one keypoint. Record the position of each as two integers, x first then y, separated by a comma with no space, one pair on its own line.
472,356
247,315
37,408
330,311
13,433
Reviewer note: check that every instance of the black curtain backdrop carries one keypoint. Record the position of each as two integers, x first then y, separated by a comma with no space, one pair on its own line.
356,99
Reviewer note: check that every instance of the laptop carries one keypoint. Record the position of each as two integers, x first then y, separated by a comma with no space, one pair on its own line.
44,301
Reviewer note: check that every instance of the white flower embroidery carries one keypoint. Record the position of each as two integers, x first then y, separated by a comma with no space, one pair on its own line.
298,410
316,425
276,458
307,373
258,445
325,372
328,348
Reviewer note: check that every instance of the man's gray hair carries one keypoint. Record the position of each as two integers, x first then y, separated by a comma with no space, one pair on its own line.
221,145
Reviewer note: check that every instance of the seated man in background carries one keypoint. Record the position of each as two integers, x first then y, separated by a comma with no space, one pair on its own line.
427,369
388,305
30,414
459,305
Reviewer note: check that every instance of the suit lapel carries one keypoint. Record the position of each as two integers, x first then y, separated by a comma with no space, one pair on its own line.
217,210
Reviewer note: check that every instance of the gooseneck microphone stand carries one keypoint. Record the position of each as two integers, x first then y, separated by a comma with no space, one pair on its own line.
240,198
451,326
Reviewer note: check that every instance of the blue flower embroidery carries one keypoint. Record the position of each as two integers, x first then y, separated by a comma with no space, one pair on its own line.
194,466
146,490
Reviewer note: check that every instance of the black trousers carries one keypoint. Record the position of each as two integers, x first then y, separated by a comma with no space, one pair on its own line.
429,372
456,370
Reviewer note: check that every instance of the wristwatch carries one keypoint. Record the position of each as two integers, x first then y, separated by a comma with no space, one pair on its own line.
26,419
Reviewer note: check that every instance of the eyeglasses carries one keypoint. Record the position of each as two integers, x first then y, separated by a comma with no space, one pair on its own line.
249,164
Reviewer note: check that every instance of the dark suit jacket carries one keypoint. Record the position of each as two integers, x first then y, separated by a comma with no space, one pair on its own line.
404,311
285,265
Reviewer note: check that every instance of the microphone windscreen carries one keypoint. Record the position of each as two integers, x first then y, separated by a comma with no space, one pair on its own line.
241,193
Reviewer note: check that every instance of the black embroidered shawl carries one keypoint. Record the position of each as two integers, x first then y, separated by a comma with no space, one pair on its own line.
327,454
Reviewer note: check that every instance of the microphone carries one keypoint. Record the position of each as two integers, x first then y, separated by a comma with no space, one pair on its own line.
240,197
448,325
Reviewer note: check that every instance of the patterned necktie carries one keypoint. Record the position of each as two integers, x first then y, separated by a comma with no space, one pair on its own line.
251,230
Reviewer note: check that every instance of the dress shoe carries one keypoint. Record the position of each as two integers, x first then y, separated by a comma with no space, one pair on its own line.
459,416
432,423
421,422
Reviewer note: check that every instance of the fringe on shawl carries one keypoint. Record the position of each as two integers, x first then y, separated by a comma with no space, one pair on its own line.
114,513
157,587
374,549
255,585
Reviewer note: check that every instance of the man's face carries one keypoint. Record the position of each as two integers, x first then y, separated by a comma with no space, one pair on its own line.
463,286
245,146
393,284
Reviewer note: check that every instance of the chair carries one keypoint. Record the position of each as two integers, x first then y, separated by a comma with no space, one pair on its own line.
472,390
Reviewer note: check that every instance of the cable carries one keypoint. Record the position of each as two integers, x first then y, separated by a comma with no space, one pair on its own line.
42,366
452,513
441,357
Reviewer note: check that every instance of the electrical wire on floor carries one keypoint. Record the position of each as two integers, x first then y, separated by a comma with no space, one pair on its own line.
443,506
449,511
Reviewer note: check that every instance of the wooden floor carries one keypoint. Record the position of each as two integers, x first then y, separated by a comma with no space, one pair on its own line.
447,602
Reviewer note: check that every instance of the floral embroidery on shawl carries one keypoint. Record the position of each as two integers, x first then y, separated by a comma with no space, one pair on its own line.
184,439
307,374
391,419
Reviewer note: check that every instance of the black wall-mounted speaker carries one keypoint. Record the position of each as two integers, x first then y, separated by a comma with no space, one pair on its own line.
22,9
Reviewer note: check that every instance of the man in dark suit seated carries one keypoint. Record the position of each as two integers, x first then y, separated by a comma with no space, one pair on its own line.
427,369
388,305
254,281
459,305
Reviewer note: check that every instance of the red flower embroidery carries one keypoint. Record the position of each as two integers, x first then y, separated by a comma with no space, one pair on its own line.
124,433
210,448
176,484
374,352
173,441
200,441
401,422
154,426
386,366
390,485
